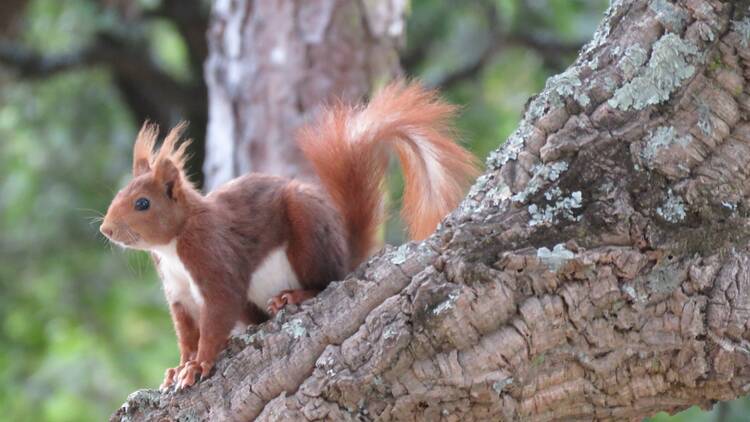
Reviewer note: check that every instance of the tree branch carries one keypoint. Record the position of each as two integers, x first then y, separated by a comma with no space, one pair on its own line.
149,92
34,66
599,269
123,59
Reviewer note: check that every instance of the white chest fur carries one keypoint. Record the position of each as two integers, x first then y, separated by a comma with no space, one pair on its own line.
273,275
179,286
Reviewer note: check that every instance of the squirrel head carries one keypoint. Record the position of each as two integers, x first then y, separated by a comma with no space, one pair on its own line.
152,208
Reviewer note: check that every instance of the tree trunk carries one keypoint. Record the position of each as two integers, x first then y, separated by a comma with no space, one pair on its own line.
272,62
11,12
599,269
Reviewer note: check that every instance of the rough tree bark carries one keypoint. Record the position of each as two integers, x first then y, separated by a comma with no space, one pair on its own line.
271,63
599,269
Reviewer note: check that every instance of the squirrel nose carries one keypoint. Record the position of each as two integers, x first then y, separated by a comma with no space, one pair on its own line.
106,230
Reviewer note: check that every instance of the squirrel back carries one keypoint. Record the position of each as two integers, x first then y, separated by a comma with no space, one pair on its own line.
348,148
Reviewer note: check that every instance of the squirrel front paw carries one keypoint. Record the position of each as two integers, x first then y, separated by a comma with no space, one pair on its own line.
169,377
277,303
288,297
189,373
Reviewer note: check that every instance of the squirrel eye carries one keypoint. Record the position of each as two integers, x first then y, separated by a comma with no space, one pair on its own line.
142,204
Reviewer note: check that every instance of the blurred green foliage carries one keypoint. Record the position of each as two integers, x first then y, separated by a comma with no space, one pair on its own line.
83,325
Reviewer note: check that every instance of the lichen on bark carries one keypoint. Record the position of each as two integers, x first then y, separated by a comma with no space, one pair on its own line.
670,64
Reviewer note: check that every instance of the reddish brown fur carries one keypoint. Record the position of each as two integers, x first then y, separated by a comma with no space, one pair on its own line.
290,297
187,340
352,165
223,238
142,150
314,228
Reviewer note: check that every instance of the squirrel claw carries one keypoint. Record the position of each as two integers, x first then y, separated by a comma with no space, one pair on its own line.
277,303
288,297
169,378
192,372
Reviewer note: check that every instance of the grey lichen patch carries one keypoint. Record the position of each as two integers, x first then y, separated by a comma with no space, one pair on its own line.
499,385
673,209
553,170
565,83
609,83
251,338
661,138
294,328
630,291
704,118
563,208
669,65
389,333
447,304
543,175
666,277
476,193
743,29
511,148
583,98
635,57
593,64
498,194
479,185
671,17
552,193
327,363
706,32
606,187
399,255
569,84
555,258
142,399
706,9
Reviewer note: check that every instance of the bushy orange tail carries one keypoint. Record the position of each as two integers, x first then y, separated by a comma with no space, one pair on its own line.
347,147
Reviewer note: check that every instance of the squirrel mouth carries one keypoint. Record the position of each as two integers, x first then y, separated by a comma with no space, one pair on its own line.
123,244
124,237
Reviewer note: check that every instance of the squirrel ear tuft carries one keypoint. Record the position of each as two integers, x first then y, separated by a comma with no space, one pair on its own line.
170,150
169,163
144,147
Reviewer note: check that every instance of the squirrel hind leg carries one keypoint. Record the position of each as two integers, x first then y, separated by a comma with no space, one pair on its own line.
289,297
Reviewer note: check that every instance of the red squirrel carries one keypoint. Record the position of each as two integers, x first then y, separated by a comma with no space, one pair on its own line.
239,254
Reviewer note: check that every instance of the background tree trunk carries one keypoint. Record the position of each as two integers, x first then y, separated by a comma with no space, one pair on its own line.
599,269
272,63
10,11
